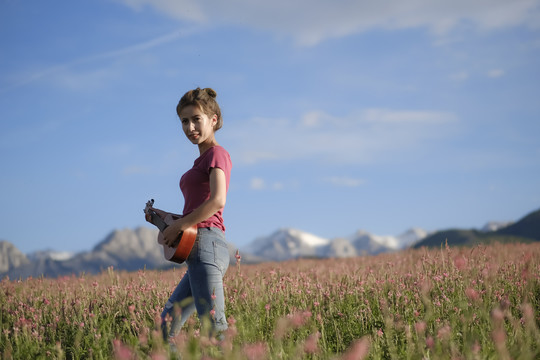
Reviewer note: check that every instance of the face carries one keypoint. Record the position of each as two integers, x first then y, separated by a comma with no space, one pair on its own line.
197,126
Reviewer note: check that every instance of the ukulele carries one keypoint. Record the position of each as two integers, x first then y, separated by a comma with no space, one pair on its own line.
181,248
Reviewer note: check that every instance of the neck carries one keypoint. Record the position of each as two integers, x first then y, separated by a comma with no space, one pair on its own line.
207,145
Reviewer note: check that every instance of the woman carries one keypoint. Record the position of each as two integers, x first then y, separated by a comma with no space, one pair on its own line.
204,188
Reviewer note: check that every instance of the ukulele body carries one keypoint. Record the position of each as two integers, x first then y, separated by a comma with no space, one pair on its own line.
181,248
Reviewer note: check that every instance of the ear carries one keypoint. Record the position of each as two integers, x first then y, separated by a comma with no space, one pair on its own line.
214,120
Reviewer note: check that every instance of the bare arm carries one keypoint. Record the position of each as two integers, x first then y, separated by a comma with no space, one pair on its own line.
218,197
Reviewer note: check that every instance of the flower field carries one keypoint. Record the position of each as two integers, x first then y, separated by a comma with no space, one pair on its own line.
449,303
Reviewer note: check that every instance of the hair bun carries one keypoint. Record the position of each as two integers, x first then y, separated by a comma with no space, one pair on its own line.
211,92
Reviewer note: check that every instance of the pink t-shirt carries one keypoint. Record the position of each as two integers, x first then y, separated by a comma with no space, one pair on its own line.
195,183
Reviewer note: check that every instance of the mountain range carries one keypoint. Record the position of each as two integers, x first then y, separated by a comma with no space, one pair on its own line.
131,250
285,244
525,230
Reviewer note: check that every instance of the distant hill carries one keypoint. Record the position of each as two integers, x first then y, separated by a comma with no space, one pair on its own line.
525,230
528,227
11,257
131,250
124,250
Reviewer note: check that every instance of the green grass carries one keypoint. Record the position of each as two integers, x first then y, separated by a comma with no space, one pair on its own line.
453,303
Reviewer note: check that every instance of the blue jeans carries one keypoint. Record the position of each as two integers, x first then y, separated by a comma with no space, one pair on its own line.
201,288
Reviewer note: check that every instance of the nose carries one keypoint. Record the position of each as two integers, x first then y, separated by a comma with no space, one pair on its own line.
189,126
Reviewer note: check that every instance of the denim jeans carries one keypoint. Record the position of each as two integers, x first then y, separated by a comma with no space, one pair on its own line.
201,288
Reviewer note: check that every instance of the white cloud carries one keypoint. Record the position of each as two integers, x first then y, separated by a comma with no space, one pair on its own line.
67,75
344,181
312,21
459,76
408,116
495,73
257,183
362,137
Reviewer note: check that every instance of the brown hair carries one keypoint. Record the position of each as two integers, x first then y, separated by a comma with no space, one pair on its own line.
204,99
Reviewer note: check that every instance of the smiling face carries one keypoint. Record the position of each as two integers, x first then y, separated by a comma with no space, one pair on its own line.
198,126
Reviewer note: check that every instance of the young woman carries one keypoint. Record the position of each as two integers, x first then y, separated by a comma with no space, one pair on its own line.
204,188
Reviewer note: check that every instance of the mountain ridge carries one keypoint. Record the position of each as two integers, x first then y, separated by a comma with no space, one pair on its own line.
133,249
527,229
287,243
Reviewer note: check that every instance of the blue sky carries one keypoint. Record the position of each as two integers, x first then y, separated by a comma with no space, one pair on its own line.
338,116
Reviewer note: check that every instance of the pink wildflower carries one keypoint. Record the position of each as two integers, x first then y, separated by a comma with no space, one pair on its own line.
497,315
282,327
528,312
159,356
311,344
499,337
460,262
297,319
358,350
256,351
444,333
430,342
420,327
472,294
121,351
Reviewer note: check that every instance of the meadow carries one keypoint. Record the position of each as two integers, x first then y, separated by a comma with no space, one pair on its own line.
479,302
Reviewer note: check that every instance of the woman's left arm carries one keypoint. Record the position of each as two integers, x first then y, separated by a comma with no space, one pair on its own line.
218,197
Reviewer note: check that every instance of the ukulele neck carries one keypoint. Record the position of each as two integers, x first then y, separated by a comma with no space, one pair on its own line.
158,221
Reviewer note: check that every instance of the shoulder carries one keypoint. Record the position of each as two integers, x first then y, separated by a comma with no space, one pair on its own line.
217,156
219,152
218,149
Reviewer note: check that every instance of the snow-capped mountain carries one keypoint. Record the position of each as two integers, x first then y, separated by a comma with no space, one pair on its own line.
287,244
134,249
10,257
124,249
50,254
496,225
370,244
366,243
411,236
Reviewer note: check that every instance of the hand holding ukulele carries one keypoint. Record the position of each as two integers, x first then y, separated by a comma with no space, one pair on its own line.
176,245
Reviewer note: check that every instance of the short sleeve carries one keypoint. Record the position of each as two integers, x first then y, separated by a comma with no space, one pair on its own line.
219,159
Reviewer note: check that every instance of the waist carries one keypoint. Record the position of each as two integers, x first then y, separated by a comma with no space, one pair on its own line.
215,233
